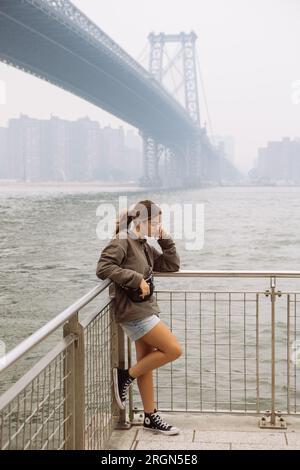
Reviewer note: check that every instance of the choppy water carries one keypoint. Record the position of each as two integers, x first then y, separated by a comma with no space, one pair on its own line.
49,247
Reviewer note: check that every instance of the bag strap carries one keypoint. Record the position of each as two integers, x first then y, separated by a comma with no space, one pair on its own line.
147,255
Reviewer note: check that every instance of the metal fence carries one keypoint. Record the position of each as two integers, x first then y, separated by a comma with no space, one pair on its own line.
240,354
65,401
33,412
240,348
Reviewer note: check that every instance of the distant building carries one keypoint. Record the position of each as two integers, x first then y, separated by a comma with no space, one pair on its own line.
84,159
278,162
24,148
134,154
228,145
112,144
62,150
4,161
55,151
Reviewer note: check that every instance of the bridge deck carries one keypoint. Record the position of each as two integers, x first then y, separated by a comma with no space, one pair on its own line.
210,432
65,48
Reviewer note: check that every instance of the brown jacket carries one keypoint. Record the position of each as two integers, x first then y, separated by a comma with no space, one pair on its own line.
123,261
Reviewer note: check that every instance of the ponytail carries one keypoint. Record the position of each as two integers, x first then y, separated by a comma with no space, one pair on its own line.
144,210
123,221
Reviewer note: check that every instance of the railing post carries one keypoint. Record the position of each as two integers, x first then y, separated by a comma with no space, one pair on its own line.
130,399
74,386
69,398
275,418
117,360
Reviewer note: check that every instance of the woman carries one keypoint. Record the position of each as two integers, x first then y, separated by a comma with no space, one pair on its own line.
128,260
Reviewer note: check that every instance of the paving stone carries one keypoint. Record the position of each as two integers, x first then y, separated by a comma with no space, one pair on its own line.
175,445
145,434
293,439
258,437
115,443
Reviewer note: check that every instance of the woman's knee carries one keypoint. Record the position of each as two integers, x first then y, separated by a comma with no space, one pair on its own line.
174,351
163,339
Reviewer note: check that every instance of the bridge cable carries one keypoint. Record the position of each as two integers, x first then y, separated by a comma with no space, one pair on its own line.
139,57
176,89
204,96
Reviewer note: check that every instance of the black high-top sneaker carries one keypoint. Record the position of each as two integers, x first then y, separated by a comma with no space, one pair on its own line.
154,422
122,381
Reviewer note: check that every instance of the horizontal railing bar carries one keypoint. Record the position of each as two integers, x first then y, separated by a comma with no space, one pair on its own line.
208,389
178,316
192,343
209,410
212,329
167,372
91,317
218,358
234,358
184,291
225,273
11,357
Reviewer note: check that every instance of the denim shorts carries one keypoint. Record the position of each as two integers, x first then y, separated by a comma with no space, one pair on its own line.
135,329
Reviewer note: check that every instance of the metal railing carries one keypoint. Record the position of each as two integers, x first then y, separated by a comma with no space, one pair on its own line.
239,355
65,401
240,347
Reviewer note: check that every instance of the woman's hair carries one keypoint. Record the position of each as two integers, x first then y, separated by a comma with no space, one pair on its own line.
142,210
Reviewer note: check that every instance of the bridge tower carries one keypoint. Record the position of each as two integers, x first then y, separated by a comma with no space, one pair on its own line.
180,161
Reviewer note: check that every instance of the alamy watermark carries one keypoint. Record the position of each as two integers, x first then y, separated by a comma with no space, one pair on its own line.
186,219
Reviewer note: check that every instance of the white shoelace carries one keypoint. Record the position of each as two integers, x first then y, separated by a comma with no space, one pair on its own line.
126,385
158,420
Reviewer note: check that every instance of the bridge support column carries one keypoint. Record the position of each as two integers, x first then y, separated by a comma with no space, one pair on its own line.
151,155
194,163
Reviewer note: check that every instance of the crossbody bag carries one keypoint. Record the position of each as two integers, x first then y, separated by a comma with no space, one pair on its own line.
135,293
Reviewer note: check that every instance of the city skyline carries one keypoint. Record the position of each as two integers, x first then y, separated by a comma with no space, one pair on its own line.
57,149
67,150
277,161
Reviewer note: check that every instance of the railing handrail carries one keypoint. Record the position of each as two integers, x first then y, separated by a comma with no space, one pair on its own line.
25,346
228,273
33,340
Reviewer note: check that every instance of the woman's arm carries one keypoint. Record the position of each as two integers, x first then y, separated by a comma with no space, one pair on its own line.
109,265
169,259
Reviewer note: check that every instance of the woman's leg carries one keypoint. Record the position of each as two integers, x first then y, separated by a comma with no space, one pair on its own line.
168,349
145,381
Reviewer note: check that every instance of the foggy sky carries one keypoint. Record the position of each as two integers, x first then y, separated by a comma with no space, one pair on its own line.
250,59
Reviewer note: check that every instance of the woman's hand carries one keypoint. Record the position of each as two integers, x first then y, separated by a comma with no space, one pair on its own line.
145,288
162,233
